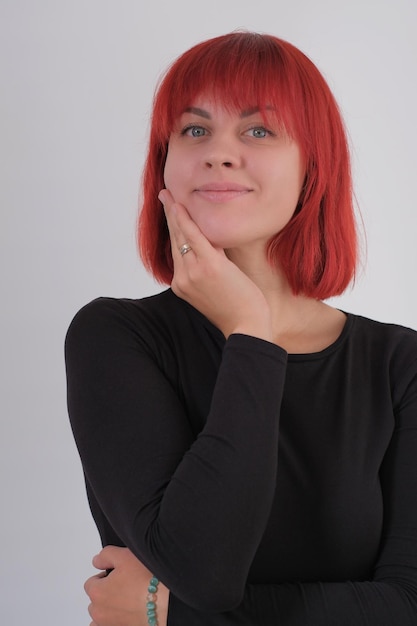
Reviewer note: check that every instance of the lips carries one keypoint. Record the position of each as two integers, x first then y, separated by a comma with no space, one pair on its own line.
222,191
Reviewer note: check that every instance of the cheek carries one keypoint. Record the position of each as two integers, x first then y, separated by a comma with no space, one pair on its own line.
168,170
300,169
291,178
174,177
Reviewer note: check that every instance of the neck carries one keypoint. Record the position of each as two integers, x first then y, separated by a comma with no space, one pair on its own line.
293,316
271,281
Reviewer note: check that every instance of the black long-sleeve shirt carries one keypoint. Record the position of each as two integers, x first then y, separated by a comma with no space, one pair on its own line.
261,488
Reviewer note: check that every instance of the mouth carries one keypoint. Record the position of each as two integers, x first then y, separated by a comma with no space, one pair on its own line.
221,191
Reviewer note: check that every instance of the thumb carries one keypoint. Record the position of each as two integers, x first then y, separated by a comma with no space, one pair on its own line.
108,557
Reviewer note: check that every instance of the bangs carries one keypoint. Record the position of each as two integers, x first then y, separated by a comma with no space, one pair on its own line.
243,72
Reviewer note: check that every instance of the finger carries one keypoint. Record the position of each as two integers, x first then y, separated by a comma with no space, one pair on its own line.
89,608
192,235
108,557
183,229
91,583
165,196
171,209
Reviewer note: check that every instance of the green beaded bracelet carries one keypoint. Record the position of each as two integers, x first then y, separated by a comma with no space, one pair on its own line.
151,601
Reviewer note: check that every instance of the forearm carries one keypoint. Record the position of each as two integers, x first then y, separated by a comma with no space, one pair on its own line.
311,604
210,518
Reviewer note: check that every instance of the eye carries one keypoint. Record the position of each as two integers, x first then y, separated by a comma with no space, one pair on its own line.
259,132
193,131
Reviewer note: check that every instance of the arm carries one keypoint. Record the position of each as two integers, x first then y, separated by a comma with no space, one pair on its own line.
158,487
389,598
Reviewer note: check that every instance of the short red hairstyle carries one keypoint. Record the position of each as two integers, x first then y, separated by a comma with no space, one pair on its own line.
317,249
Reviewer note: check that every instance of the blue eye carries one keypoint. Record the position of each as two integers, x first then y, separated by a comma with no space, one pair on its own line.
194,131
259,132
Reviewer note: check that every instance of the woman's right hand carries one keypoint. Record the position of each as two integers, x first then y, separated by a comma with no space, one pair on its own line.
210,282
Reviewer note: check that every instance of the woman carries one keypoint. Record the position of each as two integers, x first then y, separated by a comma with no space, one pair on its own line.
250,446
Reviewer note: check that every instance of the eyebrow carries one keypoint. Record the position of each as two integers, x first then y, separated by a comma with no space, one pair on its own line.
198,111
207,116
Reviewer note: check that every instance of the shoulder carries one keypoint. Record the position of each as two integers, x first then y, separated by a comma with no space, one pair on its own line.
107,318
155,323
106,311
389,338
389,349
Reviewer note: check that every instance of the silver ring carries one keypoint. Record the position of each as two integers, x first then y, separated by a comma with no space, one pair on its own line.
185,248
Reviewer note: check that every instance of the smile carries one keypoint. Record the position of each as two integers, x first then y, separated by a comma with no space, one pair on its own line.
221,192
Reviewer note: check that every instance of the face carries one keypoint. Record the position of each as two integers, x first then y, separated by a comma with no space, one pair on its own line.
239,178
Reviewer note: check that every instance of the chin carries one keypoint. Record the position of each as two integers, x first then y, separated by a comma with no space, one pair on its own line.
219,234
221,230
225,244
227,241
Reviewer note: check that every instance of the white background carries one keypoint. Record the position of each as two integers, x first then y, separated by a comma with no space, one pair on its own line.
77,78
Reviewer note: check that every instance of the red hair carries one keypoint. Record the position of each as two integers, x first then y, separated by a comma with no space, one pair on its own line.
317,249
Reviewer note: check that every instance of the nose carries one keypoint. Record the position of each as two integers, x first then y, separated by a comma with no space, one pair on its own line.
212,163
222,153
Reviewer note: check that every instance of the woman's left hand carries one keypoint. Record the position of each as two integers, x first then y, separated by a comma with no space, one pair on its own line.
119,598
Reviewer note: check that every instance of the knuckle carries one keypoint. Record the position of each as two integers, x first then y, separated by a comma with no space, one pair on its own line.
98,614
204,271
214,268
95,614
194,274
87,586
179,285
94,593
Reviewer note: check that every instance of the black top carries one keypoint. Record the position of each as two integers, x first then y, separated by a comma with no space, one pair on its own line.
261,488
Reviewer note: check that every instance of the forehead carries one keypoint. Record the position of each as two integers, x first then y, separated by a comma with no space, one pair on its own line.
207,106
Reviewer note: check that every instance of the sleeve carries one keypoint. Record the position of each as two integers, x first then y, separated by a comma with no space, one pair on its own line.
192,510
390,597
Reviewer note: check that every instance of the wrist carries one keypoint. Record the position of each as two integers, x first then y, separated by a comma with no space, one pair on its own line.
163,603
152,602
157,603
259,326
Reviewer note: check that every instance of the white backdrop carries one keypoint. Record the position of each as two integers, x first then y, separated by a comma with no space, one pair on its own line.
77,77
